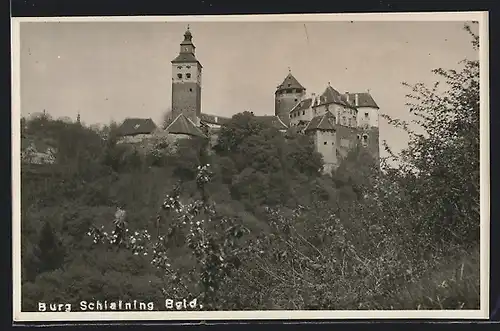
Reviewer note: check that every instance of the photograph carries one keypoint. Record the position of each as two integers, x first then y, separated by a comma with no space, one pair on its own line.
313,166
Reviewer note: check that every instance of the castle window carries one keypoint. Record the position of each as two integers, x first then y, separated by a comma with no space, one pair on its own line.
188,75
303,112
333,143
296,100
289,84
366,115
188,67
179,67
190,90
179,76
325,143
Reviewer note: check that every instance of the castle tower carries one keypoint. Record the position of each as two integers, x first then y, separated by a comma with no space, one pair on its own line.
186,81
287,95
368,121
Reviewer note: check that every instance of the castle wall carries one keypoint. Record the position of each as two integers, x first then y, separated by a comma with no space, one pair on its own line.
284,103
135,138
346,139
186,98
368,117
301,115
370,139
343,115
325,142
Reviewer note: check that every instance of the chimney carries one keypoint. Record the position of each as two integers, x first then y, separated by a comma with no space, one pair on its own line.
356,97
347,96
216,119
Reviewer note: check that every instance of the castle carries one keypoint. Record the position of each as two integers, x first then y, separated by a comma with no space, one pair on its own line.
337,122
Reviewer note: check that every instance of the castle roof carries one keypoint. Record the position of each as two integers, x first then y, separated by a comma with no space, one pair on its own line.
273,121
213,119
133,126
290,82
302,105
186,58
323,122
183,125
331,95
364,100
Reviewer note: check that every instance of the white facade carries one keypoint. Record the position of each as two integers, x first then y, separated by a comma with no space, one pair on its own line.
368,117
186,73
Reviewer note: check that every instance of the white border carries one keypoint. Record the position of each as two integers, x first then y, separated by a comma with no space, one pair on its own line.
482,313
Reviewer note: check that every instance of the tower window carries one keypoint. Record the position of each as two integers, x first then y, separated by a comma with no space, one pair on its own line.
188,67
190,90
366,115
324,143
296,100
188,75
179,67
179,76
303,112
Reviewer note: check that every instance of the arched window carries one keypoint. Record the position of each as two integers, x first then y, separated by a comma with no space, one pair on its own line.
179,76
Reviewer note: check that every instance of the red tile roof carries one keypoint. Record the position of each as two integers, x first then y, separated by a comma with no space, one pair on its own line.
183,125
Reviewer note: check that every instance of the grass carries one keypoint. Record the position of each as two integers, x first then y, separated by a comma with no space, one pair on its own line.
452,285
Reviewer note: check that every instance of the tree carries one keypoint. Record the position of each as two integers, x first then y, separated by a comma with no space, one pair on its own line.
50,253
439,170
211,239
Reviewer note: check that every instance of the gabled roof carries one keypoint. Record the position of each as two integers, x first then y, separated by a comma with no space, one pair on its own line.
304,104
364,100
133,126
323,122
213,119
331,95
183,125
273,121
290,82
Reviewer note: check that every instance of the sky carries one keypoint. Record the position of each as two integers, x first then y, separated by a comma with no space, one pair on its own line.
114,70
